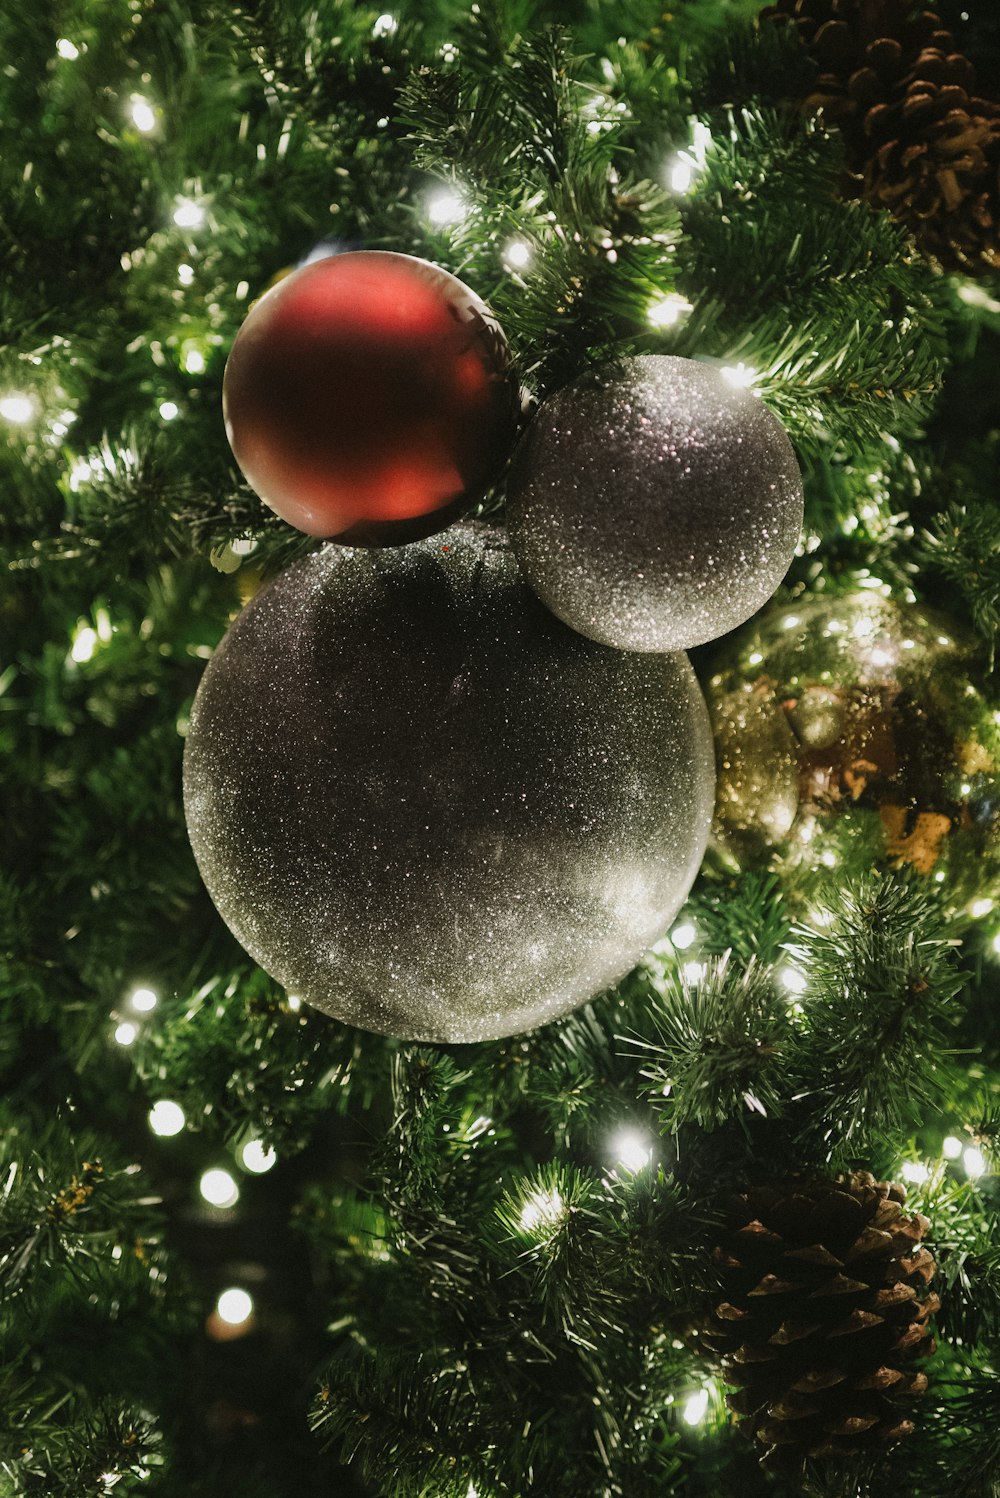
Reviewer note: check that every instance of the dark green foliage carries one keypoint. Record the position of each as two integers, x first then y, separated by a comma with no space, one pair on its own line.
881,978
500,1251
717,1049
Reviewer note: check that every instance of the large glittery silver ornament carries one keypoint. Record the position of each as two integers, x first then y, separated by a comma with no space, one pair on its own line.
652,505
858,726
430,809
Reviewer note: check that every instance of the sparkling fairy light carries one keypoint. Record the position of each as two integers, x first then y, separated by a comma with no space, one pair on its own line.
542,1208
741,376
974,1163
218,1188
125,1034
683,935
668,310
185,274
17,408
143,999
791,980
915,1171
66,49
234,1307
255,1158
631,1150
188,214
84,644
169,410
166,1118
952,1148
517,254
385,25
141,111
696,1408
445,208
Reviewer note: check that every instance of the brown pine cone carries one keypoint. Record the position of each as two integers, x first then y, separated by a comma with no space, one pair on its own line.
936,167
826,1309
920,141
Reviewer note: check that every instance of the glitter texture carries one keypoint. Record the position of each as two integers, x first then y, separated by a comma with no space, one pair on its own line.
429,808
652,506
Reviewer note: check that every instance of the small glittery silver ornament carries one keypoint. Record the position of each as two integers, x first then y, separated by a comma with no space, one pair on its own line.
430,809
652,505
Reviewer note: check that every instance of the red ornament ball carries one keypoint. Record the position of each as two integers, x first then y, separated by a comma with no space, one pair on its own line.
369,398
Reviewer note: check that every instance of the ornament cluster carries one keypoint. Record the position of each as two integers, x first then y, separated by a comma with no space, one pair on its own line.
451,788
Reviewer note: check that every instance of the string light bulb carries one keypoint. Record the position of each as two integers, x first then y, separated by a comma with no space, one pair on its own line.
142,114
234,1306
144,1000
169,410
385,25
445,208
17,408
631,1150
188,214
125,1034
218,1188
542,1209
951,1148
66,49
517,254
696,1408
668,310
257,1159
974,1163
166,1118
683,935
84,644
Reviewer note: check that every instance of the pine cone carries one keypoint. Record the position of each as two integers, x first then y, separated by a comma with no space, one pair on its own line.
826,1310
920,141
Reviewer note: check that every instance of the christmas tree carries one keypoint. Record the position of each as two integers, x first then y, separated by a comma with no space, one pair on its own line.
730,1225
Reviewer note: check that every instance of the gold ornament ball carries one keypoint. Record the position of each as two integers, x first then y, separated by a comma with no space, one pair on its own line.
857,720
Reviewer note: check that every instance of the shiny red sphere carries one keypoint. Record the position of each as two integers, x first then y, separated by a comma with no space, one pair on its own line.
368,398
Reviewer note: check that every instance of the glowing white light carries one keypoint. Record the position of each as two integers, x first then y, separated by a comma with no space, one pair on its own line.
541,1207
188,214
631,1150
142,114
144,999
243,546
166,1118
790,621
234,1307
754,658
84,643
792,980
185,274
219,1189
294,1002
915,1171
66,49
693,972
975,1165
740,375
385,25
517,254
980,907
169,410
194,361
943,640
681,175
255,1158
880,657
683,935
696,1408
126,1033
17,408
668,311
863,627
445,208
828,858
952,1148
